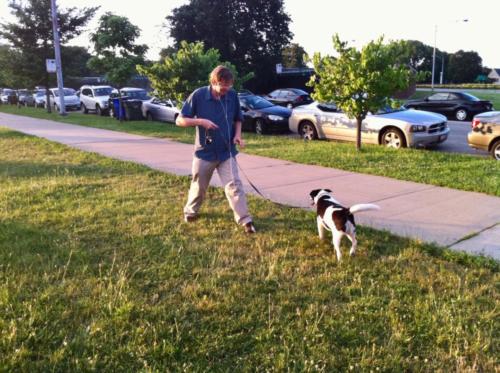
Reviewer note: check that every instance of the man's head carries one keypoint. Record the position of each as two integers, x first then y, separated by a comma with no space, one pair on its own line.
221,80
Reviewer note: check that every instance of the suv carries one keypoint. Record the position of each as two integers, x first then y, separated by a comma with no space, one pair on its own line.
485,133
95,98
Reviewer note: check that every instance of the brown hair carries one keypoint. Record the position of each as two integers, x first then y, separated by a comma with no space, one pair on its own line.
221,74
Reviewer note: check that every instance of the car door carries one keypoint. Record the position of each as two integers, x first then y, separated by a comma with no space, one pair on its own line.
84,97
326,119
437,102
247,124
169,111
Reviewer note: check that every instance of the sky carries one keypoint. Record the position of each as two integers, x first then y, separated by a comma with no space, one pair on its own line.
314,22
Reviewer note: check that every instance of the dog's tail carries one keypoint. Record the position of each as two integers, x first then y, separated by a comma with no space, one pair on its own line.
363,207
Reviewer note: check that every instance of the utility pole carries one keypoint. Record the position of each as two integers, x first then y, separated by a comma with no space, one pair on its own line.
434,58
57,49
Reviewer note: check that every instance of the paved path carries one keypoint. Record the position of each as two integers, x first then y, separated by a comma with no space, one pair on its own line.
429,213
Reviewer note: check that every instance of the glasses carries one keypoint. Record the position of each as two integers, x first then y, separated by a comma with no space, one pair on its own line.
223,86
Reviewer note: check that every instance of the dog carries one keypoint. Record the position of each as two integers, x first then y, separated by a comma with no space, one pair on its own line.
331,215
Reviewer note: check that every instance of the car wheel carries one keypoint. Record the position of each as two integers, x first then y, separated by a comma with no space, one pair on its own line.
56,108
495,150
393,138
98,110
84,109
307,131
149,117
461,114
260,127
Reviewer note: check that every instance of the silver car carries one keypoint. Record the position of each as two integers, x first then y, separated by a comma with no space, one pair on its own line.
162,110
395,128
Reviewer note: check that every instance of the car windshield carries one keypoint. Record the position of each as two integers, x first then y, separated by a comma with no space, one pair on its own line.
7,91
103,91
470,97
67,92
40,93
256,102
387,109
141,95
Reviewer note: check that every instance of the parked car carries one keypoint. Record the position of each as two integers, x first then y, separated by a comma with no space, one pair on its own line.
457,105
289,97
261,116
39,98
162,110
95,98
25,97
129,93
71,102
485,133
395,128
8,96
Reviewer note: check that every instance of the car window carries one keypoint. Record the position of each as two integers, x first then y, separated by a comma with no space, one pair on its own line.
274,94
67,92
103,91
255,102
439,96
86,92
470,97
328,107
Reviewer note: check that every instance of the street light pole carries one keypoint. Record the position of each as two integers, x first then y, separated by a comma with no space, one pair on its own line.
57,49
434,58
442,58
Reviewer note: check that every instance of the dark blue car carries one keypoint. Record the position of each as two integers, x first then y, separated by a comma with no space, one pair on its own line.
261,116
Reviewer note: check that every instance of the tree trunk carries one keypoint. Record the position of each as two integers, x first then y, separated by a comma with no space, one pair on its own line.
359,121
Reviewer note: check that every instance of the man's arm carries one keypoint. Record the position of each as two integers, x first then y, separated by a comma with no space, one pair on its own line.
183,121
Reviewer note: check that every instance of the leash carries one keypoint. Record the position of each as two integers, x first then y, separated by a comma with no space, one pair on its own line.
228,146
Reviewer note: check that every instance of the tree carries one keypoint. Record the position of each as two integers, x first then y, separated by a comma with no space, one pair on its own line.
464,67
31,36
117,55
293,55
248,33
359,81
185,70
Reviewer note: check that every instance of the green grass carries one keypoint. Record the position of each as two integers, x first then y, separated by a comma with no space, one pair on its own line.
98,273
458,171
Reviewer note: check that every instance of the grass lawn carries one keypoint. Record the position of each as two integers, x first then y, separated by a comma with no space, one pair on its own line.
98,273
458,171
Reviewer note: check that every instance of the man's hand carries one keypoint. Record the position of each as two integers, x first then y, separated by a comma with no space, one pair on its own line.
239,141
208,124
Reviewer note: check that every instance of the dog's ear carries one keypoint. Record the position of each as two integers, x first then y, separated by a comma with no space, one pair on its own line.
314,193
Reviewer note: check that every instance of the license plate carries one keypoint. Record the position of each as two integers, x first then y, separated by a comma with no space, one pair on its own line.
443,137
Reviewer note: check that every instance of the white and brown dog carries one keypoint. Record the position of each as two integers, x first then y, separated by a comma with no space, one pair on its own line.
331,215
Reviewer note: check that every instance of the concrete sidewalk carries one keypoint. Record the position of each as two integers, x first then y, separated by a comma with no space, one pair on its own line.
460,220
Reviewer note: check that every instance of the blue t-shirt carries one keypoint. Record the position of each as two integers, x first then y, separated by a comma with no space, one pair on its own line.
223,112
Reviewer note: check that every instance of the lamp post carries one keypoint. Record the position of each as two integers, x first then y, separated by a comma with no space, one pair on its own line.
442,59
57,49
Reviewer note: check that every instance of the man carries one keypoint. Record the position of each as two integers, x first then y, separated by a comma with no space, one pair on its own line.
215,112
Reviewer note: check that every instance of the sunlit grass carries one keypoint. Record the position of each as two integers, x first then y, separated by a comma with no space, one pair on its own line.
99,273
